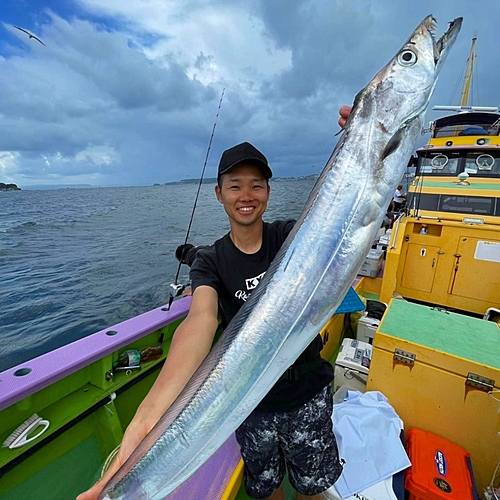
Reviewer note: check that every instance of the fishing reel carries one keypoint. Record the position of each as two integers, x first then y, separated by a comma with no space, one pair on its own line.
176,289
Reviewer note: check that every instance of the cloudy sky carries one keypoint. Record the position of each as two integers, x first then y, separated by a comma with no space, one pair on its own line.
127,92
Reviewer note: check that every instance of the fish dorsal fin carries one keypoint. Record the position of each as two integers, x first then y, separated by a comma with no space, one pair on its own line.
393,143
354,109
357,98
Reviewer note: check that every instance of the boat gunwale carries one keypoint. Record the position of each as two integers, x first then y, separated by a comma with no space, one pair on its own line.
59,363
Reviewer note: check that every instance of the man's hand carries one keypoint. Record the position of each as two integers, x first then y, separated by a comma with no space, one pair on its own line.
344,113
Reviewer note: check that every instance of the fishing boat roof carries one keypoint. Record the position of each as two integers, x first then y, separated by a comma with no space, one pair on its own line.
27,378
486,118
484,123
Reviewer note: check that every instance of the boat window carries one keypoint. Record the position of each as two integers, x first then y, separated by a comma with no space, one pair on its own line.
423,201
480,205
475,130
461,129
439,163
483,164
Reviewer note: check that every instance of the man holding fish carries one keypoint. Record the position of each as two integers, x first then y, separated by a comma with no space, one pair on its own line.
291,429
301,438
221,388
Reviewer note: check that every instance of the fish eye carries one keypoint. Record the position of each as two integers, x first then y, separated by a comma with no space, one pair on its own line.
407,58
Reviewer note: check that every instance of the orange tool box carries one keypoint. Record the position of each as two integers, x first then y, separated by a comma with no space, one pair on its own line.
440,469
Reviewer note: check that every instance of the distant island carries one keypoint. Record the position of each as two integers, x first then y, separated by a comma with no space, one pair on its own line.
38,187
9,187
213,180
207,180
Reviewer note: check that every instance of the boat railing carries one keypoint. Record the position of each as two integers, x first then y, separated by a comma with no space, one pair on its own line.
27,378
394,234
430,217
467,109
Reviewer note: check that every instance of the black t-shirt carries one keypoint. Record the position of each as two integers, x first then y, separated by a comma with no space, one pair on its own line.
234,274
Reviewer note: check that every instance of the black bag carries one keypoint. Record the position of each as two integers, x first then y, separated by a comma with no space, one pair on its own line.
375,309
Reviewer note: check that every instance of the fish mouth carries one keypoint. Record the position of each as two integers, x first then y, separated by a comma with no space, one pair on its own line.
442,45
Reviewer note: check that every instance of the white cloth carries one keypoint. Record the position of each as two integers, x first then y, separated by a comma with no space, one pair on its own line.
367,430
380,491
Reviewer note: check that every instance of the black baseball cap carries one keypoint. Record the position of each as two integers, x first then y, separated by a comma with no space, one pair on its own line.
244,152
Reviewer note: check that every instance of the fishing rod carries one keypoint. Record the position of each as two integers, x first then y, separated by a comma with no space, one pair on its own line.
175,287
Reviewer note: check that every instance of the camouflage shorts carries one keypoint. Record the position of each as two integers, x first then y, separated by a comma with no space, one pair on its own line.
300,441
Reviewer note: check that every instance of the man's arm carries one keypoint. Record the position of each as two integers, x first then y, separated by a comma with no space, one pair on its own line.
191,343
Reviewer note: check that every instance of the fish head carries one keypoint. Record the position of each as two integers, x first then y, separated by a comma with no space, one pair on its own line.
403,88
415,68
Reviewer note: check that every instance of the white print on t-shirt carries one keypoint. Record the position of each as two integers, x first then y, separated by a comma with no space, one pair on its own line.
251,283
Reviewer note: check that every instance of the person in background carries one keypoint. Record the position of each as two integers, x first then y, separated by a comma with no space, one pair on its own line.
398,199
291,428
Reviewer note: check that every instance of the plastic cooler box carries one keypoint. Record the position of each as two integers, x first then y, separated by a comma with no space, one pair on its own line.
440,469
372,264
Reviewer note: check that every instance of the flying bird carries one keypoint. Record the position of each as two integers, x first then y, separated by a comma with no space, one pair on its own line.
30,35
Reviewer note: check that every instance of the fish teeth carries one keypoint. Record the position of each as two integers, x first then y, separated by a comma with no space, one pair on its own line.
434,24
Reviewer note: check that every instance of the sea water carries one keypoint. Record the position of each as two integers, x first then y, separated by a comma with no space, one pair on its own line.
76,261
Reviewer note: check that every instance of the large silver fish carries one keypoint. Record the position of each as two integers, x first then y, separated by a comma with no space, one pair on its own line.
308,278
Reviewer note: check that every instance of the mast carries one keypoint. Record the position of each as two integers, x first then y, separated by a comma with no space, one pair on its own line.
464,100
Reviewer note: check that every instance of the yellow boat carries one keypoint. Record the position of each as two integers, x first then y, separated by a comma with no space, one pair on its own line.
446,249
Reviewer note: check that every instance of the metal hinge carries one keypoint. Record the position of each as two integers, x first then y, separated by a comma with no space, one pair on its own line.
404,357
479,382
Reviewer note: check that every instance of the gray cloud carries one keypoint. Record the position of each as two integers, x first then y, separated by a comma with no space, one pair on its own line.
326,49
126,97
